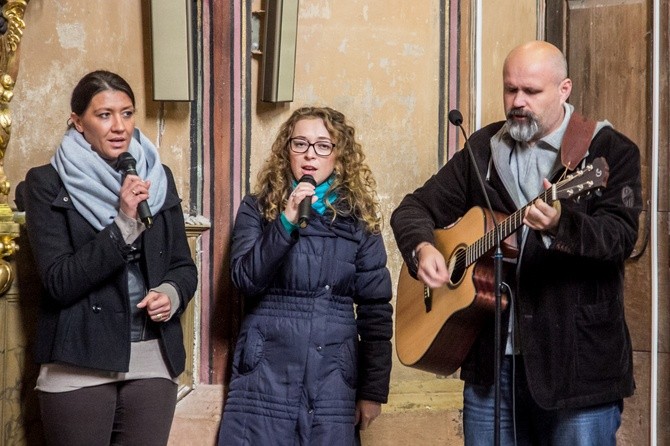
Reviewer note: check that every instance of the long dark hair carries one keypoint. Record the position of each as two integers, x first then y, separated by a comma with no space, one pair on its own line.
92,84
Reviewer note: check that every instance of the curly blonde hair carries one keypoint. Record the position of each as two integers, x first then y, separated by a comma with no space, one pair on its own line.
353,183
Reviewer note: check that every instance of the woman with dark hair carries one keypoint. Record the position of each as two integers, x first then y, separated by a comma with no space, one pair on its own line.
109,339
313,357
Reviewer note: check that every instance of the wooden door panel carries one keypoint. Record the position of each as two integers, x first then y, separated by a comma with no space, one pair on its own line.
608,45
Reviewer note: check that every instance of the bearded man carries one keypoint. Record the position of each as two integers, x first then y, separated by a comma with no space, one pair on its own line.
566,355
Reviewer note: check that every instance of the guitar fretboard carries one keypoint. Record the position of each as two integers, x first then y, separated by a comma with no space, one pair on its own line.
506,227
594,176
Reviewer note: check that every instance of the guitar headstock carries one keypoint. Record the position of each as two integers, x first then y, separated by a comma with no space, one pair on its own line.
587,180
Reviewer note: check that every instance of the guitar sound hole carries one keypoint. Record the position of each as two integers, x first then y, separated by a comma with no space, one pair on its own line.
457,267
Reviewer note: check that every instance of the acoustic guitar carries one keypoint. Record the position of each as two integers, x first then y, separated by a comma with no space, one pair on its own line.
436,328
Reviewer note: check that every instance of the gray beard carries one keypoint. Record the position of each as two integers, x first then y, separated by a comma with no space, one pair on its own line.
523,132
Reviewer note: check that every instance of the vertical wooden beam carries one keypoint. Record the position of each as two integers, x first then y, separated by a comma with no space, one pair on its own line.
608,47
221,306
555,23
465,33
453,53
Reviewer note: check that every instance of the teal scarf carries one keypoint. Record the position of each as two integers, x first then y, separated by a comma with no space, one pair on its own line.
319,205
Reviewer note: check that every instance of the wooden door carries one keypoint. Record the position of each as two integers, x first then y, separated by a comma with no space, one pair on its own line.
608,45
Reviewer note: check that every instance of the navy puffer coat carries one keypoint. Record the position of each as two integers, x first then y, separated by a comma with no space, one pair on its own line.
317,333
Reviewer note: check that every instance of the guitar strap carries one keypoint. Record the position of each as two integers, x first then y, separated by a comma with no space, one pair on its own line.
576,140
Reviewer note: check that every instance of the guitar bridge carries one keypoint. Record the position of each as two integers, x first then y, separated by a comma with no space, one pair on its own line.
427,298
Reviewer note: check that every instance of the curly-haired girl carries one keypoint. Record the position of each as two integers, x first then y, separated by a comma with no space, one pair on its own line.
313,357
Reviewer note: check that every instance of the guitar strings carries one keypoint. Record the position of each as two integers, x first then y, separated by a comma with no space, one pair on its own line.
468,256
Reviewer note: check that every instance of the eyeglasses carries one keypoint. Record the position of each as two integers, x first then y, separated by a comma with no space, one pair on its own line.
321,148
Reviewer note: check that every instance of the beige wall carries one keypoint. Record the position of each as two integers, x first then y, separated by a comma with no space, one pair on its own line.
497,40
65,39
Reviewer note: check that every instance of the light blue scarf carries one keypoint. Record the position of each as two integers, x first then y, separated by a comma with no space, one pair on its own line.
94,185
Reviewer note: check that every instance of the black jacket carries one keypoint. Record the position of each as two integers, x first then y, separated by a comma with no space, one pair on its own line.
84,311
569,297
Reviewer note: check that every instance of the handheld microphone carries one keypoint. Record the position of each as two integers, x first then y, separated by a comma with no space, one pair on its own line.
305,207
126,164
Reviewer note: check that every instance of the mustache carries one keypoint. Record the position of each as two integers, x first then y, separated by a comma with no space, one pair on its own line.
519,112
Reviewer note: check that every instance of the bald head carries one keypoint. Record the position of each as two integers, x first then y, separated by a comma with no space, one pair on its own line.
541,55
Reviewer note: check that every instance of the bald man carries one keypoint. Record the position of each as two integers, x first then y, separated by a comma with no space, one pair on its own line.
567,357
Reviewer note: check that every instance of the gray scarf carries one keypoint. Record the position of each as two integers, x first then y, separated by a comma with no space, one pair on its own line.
94,185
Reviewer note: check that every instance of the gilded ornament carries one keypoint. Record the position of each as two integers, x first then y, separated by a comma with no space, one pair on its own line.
11,32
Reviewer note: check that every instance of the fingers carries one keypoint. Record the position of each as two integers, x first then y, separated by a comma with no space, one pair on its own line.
140,189
366,413
365,421
301,191
157,305
160,317
133,191
541,217
432,268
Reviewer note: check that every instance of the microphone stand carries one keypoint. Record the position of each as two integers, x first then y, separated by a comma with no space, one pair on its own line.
456,118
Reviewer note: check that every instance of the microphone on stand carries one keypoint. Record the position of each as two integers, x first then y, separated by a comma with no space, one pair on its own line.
456,118
126,164
305,206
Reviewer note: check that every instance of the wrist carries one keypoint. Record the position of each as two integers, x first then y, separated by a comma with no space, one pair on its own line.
416,251
287,224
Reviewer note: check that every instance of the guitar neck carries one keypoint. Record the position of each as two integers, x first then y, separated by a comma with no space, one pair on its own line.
506,227
592,177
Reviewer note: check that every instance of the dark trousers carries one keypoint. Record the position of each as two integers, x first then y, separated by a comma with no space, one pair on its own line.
137,412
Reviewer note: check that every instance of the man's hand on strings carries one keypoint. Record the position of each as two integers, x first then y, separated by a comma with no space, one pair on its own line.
541,216
432,268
